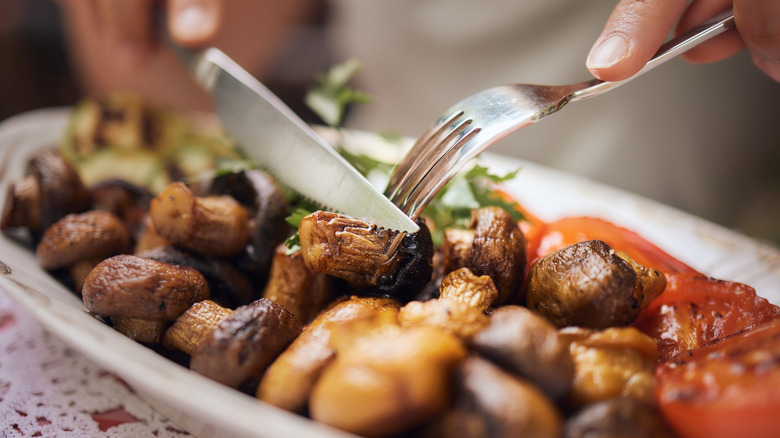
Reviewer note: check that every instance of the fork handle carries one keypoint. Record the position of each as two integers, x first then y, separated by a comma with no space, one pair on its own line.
669,50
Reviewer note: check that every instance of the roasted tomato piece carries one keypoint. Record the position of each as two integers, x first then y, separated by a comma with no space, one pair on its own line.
730,388
694,310
552,236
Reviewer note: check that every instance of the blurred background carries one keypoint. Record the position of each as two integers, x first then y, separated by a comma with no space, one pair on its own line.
702,138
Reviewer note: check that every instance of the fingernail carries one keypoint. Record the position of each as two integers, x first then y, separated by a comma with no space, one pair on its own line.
608,53
193,23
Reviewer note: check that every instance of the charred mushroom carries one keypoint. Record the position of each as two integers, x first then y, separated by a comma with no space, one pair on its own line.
590,285
529,346
370,259
233,347
494,245
93,235
214,225
51,190
296,287
289,380
135,287
127,201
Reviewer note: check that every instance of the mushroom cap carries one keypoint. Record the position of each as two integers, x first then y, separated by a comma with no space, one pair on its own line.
242,346
137,287
61,189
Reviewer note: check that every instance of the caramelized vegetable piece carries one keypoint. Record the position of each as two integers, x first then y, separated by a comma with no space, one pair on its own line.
618,417
127,201
289,380
507,406
136,287
616,362
297,288
86,236
529,346
214,225
51,190
460,308
387,381
241,347
368,258
140,330
493,246
259,193
194,325
590,285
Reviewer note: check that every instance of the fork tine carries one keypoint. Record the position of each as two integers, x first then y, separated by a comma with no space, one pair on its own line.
433,177
419,153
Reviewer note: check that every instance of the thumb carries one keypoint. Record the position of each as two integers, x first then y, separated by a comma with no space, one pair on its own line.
758,22
193,23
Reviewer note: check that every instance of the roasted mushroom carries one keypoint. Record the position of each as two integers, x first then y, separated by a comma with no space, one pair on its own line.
460,308
259,193
136,287
529,346
387,381
615,362
214,225
494,246
127,201
51,190
620,417
502,405
590,285
296,287
289,380
370,259
233,347
93,235
227,285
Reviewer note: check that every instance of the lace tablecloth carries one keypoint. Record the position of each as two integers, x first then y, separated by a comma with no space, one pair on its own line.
48,389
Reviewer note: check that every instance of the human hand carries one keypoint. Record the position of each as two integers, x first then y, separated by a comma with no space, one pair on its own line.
636,29
116,45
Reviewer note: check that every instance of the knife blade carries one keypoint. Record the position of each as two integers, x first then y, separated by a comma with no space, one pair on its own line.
284,145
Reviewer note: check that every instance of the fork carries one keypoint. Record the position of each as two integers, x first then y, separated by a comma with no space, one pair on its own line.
478,121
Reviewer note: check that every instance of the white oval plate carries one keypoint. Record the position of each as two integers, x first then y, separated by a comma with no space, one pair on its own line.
207,409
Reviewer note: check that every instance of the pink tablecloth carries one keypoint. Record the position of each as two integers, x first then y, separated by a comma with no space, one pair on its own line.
50,390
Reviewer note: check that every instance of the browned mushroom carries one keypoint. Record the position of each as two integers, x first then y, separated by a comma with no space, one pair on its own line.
140,330
136,287
127,201
51,190
233,347
370,259
296,287
494,245
387,381
590,285
460,308
528,345
615,362
508,406
93,235
626,417
227,285
259,193
215,225
289,380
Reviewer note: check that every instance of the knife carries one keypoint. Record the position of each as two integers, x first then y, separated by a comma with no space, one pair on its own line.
284,145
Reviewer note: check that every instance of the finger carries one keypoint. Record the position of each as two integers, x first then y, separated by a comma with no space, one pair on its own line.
633,33
194,23
720,47
129,25
758,22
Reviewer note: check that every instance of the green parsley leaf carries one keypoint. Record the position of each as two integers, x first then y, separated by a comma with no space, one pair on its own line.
331,93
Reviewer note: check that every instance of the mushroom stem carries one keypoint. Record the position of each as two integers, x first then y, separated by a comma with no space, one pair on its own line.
23,204
194,325
215,225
